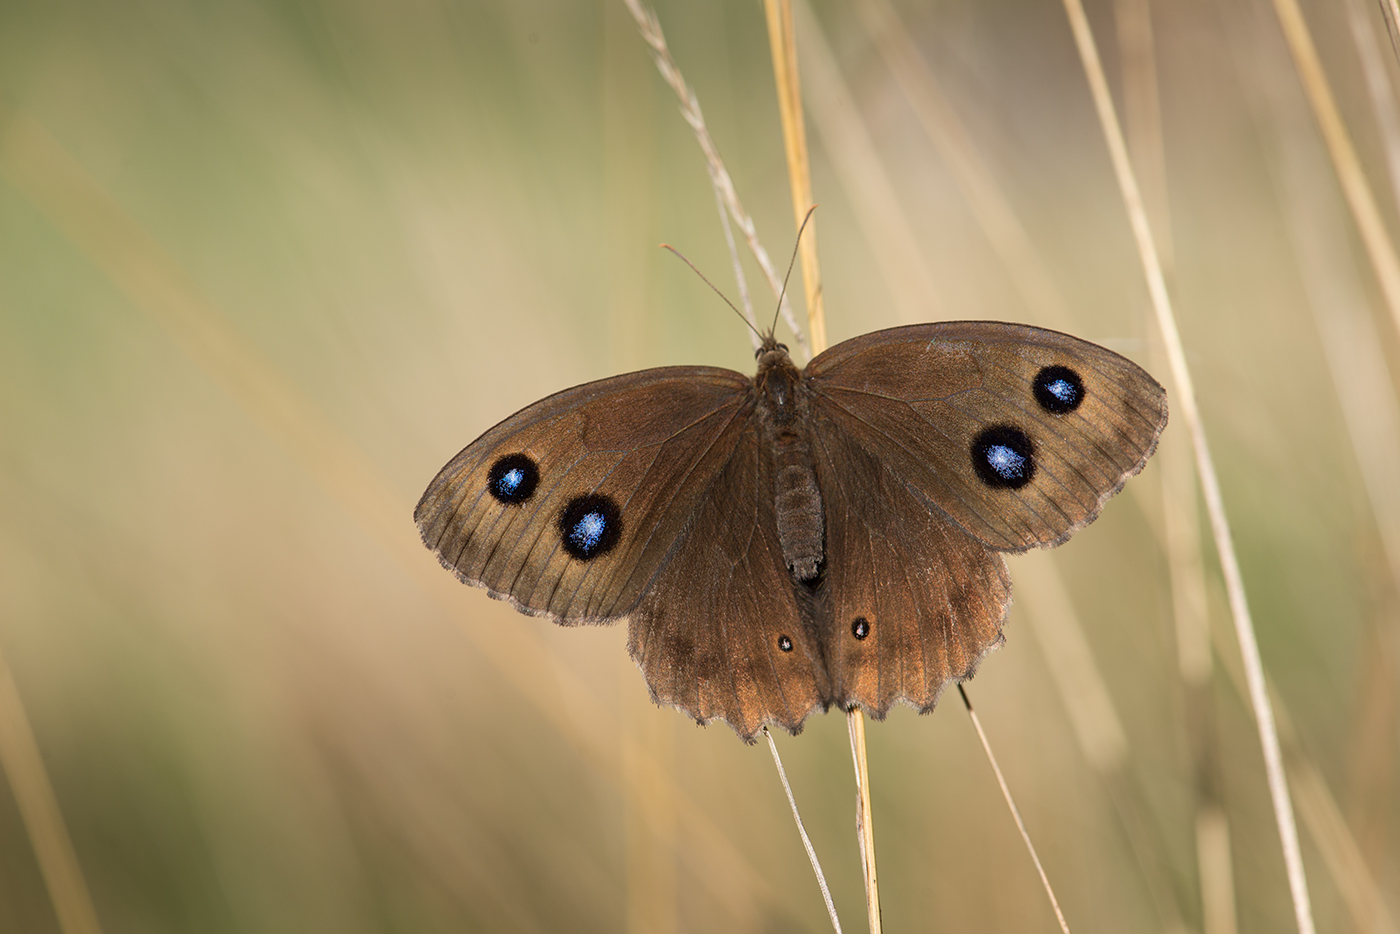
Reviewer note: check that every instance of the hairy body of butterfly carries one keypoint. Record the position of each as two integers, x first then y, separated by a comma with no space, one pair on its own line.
800,539
783,414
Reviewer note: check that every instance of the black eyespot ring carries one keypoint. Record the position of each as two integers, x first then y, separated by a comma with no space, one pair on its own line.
1003,457
860,627
785,643
590,526
513,478
1058,389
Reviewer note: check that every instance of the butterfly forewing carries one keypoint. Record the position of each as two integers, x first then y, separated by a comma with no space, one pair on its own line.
1017,434
570,506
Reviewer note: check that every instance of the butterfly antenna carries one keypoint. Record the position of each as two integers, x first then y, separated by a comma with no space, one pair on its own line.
791,263
747,323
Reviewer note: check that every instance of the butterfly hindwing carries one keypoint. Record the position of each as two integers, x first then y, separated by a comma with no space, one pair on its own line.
914,602
721,633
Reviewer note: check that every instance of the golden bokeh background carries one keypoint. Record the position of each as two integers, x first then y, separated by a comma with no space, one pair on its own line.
264,267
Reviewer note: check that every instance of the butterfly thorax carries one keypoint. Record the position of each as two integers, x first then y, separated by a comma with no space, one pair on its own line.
783,411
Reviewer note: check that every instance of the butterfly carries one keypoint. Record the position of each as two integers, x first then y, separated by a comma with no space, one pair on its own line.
800,539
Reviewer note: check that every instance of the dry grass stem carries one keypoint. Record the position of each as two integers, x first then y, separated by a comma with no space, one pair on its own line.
1390,12
856,161
1180,528
1094,717
1348,866
1365,390
950,138
650,28
855,725
1345,161
802,830
1383,102
1351,344
1188,411
1352,348
38,167
651,855
23,766
1181,539
782,46
741,281
1142,117
1015,811
1071,663
1331,834
1216,871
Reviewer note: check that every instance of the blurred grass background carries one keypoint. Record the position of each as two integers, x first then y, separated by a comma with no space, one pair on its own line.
265,267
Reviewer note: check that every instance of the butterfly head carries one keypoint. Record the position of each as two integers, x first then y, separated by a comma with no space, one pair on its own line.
777,380
770,352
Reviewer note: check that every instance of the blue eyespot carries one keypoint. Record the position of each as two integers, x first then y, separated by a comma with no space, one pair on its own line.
785,643
588,531
860,627
1008,464
1003,457
513,478
589,526
1058,389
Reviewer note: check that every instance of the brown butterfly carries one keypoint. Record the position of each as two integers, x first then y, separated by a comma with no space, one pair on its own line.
800,539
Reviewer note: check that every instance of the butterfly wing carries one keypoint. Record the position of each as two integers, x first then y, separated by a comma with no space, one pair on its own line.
570,507
1017,434
913,601
937,446
721,633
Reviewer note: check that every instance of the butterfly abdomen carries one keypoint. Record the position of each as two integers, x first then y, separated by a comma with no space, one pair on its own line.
799,507
783,404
